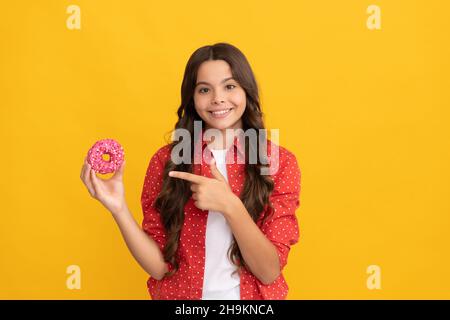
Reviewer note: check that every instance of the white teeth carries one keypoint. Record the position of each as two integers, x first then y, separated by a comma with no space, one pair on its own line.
220,112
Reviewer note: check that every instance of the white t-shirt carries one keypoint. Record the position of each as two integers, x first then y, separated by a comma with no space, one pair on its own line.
219,283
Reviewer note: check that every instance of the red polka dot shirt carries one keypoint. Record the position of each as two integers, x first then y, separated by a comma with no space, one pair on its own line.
281,228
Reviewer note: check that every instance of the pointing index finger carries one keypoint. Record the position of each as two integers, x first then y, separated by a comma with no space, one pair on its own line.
186,176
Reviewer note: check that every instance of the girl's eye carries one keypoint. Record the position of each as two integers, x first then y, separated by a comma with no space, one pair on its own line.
230,86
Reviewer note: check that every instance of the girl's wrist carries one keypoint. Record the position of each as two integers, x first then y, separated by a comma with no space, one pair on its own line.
120,211
232,204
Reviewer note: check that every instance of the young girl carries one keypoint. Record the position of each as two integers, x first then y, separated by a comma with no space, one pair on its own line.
217,229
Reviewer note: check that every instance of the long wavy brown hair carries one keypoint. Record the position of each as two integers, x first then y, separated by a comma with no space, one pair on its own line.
257,187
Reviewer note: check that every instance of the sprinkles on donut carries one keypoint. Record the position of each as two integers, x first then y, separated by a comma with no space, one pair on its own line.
108,147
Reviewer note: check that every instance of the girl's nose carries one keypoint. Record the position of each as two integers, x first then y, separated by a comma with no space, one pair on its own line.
218,100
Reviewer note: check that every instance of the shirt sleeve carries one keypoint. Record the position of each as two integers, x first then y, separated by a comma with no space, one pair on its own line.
151,223
282,227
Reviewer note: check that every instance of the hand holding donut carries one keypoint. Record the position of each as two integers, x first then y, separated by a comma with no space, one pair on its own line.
111,192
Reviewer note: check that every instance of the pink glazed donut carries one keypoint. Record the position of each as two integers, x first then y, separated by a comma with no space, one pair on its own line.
109,147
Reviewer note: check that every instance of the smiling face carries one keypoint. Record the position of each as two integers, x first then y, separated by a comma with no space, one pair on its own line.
219,99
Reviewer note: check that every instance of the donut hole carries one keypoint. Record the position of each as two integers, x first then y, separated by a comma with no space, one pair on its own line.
106,157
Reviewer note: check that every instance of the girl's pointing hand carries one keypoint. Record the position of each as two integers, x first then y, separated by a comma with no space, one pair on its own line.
208,193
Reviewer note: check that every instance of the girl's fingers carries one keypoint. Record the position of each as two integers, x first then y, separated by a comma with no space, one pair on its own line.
194,196
94,181
119,173
83,169
194,187
87,180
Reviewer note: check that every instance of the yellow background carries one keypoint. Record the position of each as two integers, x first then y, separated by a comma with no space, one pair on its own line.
366,112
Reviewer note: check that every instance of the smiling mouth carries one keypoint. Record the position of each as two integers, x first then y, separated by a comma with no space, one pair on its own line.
220,113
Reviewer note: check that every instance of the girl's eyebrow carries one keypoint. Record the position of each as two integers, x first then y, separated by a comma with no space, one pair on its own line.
204,82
